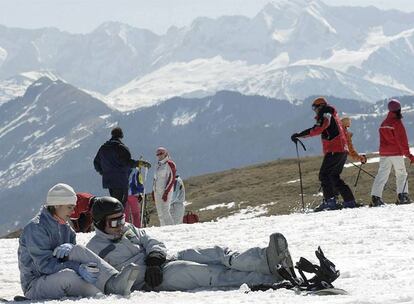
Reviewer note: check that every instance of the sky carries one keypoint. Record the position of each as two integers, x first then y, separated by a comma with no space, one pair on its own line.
81,16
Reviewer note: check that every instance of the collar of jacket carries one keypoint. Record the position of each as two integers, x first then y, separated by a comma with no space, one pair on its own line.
161,162
49,219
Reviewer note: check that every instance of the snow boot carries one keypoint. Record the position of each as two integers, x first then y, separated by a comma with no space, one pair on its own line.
278,254
329,204
122,282
376,201
403,199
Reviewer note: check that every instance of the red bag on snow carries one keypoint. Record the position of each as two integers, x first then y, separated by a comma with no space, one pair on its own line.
190,218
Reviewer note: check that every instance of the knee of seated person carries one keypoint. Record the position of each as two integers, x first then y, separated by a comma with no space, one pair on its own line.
76,286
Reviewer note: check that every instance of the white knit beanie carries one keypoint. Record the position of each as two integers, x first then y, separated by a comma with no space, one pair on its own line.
61,194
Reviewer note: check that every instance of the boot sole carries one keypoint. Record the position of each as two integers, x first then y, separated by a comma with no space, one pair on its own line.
278,251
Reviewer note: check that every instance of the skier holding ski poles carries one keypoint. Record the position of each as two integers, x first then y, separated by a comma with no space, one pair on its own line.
393,148
335,149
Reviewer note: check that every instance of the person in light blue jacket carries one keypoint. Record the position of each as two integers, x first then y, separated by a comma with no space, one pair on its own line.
52,266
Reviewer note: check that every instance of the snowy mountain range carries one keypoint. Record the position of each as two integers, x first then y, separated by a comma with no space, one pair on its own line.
289,50
51,134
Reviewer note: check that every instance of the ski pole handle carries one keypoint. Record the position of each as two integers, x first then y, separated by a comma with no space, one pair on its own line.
299,141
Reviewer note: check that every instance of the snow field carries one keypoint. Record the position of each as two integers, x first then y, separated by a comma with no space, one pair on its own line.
372,247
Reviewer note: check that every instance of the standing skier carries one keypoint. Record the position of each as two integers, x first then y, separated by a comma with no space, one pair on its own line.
346,123
113,161
393,148
52,266
164,179
177,202
335,151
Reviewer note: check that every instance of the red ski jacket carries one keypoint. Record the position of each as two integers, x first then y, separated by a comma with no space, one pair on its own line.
329,126
393,137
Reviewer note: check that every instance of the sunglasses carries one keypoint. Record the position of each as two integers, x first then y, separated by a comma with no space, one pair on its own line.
160,153
116,222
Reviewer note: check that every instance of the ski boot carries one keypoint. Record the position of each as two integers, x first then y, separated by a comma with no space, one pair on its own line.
377,201
403,199
277,254
329,204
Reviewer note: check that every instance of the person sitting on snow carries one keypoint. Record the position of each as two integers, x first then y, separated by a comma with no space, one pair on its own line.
52,266
121,243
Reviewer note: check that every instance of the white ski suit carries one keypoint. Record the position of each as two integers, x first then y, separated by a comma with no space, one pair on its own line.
177,208
164,179
192,268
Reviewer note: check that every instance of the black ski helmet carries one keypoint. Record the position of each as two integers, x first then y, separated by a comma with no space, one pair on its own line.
102,207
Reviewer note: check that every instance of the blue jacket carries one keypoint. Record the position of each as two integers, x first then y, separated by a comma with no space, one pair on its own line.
113,161
36,244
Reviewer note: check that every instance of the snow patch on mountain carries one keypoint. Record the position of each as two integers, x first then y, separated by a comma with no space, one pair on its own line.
3,56
13,87
183,119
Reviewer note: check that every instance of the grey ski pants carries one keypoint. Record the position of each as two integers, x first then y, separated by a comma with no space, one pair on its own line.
67,283
216,267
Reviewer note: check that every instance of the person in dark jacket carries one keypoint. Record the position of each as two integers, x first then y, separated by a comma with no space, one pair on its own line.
113,161
393,148
335,149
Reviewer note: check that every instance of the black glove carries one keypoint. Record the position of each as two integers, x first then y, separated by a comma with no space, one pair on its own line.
153,276
294,137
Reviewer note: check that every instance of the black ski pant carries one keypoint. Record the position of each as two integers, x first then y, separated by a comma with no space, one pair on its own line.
329,175
120,194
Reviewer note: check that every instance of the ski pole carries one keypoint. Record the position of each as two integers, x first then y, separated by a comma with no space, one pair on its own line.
359,173
300,171
406,180
373,176
143,200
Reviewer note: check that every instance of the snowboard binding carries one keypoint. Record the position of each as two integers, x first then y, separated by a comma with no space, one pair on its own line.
324,274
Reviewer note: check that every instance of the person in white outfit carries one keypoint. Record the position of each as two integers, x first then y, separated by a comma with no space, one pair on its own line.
177,204
52,266
163,187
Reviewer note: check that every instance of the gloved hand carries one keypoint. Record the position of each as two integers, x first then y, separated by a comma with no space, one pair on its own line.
363,159
165,196
88,273
143,163
294,137
63,250
411,159
153,276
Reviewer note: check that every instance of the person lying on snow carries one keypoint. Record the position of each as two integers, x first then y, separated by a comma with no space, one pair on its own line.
52,266
120,244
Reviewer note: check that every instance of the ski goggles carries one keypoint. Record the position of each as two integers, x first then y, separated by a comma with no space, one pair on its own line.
116,222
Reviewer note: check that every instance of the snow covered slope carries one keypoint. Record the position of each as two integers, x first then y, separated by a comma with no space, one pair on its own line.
357,52
16,86
372,247
203,77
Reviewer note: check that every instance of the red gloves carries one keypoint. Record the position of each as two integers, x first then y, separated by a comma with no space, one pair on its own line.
165,196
